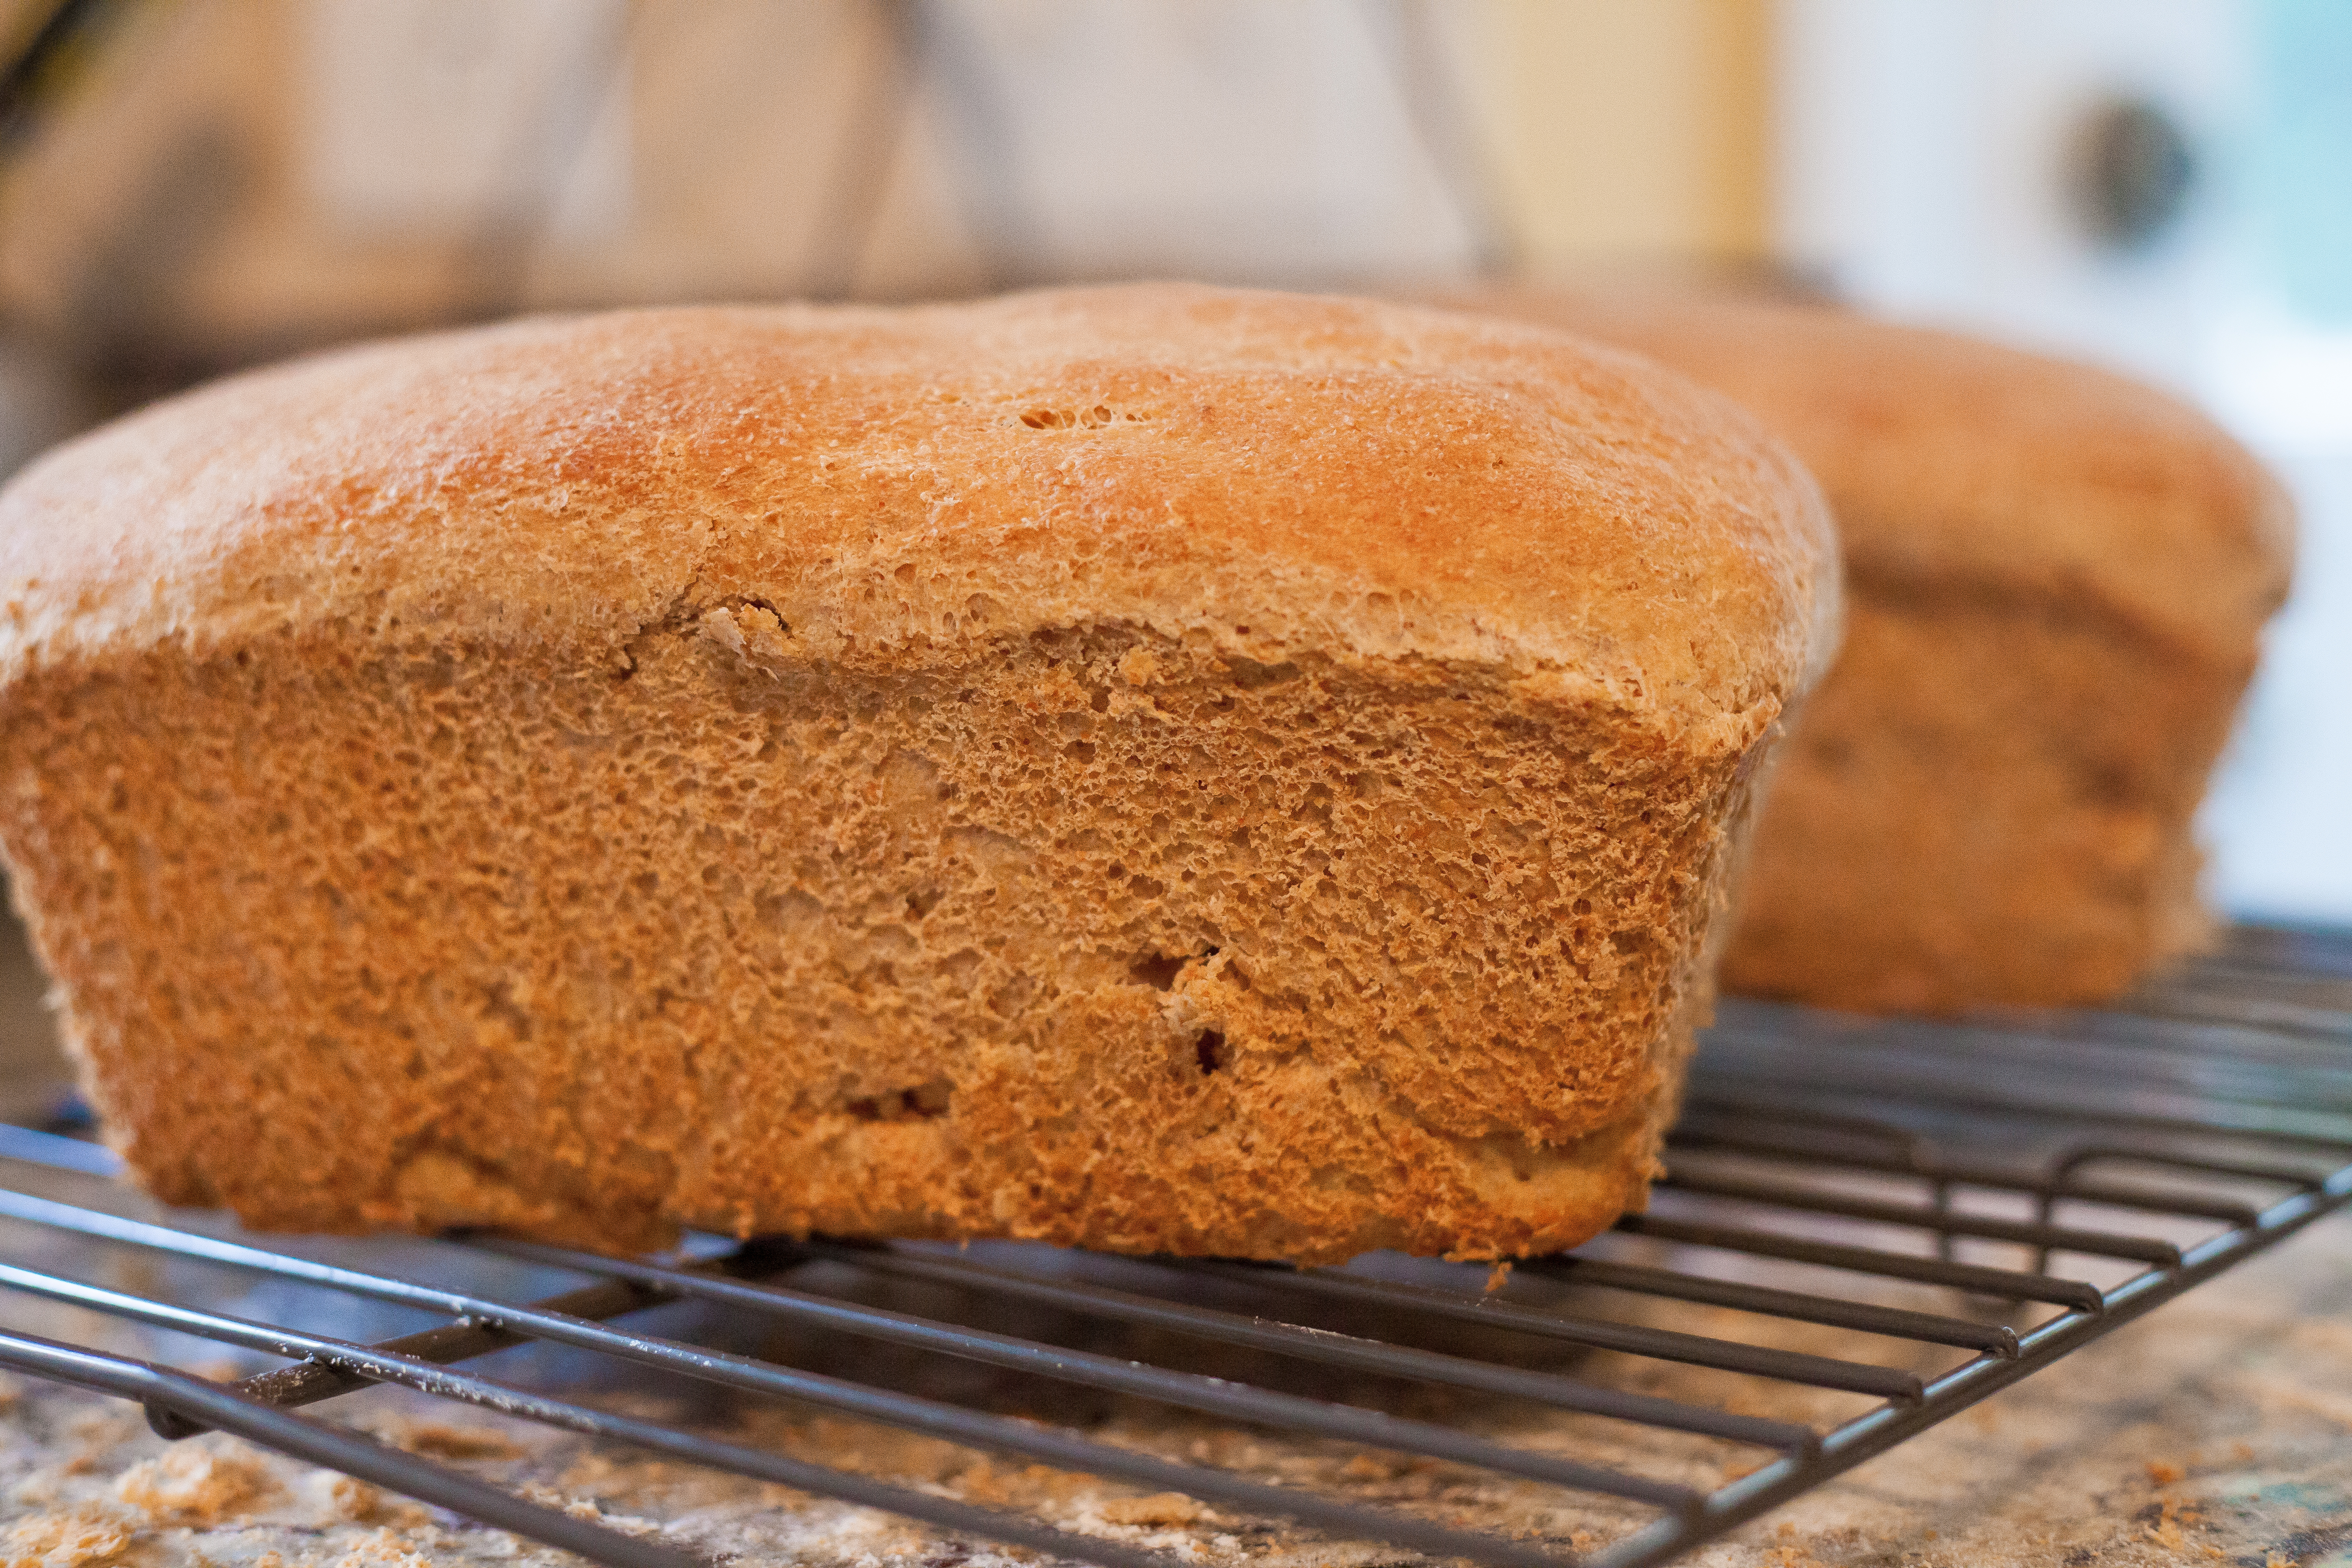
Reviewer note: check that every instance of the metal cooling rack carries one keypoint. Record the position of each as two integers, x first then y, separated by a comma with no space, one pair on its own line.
1963,1203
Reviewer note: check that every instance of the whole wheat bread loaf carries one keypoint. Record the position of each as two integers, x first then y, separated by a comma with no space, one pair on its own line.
2058,580
1155,768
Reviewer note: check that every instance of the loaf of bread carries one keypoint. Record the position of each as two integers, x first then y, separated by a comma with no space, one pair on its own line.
2057,581
1156,768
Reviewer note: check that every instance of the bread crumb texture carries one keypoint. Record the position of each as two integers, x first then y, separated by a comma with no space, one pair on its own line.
1162,769
2058,579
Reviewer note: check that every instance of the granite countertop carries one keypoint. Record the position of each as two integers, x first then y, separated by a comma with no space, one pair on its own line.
2219,1428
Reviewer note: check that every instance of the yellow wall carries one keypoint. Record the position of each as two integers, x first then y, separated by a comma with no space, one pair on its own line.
1628,127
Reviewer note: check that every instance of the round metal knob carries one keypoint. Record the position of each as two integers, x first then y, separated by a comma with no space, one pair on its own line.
2134,171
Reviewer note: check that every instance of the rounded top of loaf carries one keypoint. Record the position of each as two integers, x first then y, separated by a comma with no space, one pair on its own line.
1271,474
1946,457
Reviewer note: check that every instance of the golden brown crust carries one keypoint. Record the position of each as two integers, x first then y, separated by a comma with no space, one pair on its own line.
1272,471
2057,579
1945,458
735,769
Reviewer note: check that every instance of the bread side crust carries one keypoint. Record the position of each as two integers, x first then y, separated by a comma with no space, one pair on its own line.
1087,937
1990,800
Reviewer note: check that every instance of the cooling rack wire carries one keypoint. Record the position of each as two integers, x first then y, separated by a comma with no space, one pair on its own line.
1979,1198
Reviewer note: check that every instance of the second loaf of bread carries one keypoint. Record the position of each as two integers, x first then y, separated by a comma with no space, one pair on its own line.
1158,769
2058,583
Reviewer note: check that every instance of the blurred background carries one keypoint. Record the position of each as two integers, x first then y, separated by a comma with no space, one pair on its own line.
191,186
